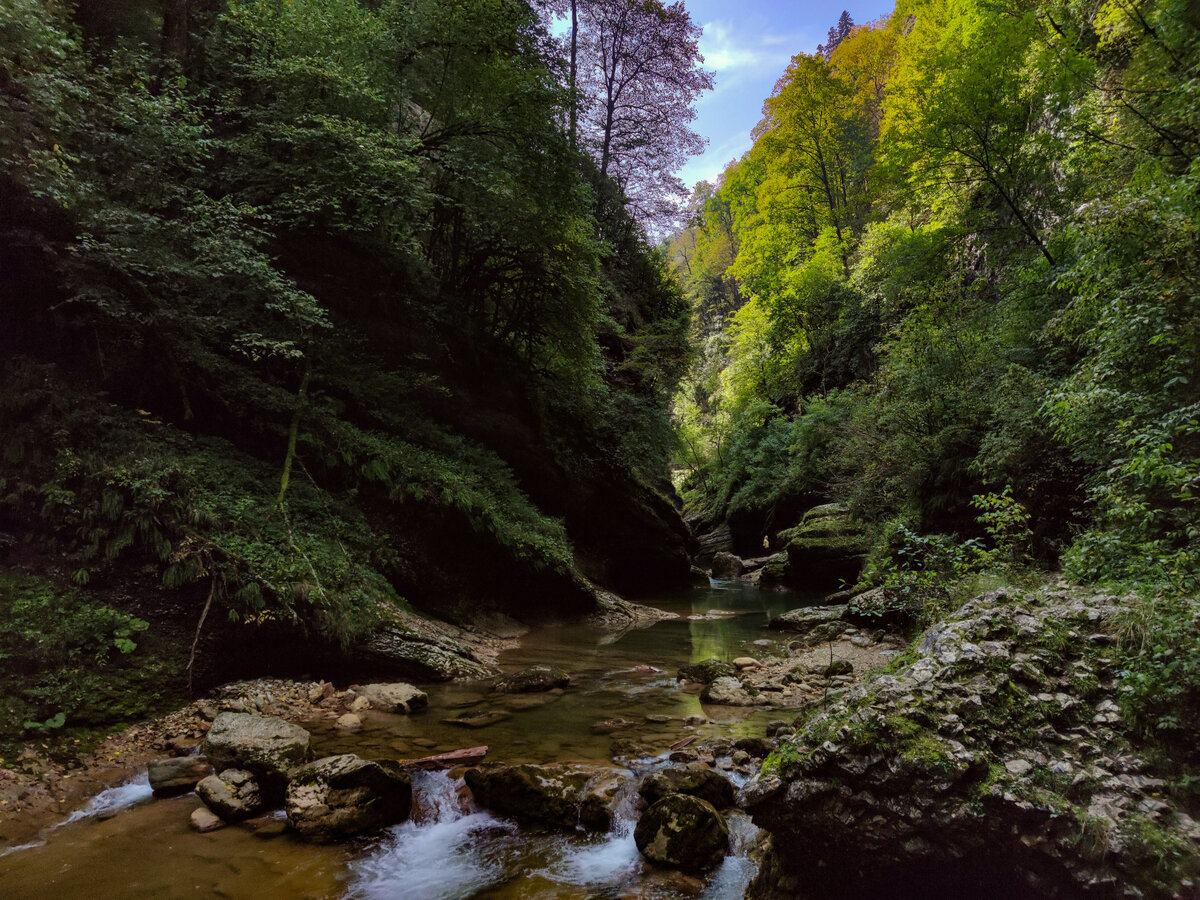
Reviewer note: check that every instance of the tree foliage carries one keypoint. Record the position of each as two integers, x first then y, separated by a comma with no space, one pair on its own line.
970,228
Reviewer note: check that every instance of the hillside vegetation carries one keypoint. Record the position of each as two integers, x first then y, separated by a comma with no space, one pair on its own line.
312,315
952,289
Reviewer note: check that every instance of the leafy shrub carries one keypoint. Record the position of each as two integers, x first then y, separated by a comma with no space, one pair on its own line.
1160,675
68,660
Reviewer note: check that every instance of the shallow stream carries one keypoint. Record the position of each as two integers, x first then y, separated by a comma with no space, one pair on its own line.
127,845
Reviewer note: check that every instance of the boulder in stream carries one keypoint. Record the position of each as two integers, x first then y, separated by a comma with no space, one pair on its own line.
341,796
706,671
399,697
265,746
682,832
696,780
178,775
566,795
826,548
233,795
726,565
205,820
535,678
813,624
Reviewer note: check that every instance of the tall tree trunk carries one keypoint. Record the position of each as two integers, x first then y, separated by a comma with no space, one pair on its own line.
175,29
574,55
293,432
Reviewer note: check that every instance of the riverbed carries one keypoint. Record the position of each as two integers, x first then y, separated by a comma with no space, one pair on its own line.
132,846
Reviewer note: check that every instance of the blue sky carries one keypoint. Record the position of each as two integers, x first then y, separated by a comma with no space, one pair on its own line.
748,43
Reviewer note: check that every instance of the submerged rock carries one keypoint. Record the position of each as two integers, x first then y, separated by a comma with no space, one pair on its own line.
394,698
683,832
233,795
535,678
267,747
178,775
340,796
482,720
204,820
566,795
695,780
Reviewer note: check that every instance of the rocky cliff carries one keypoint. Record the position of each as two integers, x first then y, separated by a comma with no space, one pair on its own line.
993,757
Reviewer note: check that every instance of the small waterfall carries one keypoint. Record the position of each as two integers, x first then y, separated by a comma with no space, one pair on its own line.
113,799
447,850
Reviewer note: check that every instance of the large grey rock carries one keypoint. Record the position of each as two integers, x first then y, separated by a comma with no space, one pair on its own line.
414,647
178,775
340,796
879,607
535,678
812,624
729,691
565,795
726,565
233,795
394,698
696,780
994,754
682,832
267,747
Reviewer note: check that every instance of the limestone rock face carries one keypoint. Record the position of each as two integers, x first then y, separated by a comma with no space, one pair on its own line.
682,832
265,746
565,795
233,795
340,796
706,671
535,678
695,781
728,691
997,756
394,698
712,542
178,775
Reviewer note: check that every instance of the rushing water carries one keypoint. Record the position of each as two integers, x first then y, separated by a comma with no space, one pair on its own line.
125,845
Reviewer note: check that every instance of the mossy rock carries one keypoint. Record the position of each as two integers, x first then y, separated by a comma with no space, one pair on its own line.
706,671
682,832
825,549
533,680
695,781
341,796
562,795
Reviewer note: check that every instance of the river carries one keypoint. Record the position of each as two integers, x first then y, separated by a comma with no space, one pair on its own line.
127,845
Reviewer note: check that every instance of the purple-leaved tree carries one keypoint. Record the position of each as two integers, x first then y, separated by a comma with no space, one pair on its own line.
635,74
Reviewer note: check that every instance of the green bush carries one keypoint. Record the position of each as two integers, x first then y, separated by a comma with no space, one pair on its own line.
67,660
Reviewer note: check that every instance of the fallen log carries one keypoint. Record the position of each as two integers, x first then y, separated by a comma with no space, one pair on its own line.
683,742
446,760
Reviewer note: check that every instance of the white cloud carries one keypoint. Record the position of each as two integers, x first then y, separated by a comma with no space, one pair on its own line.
725,48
